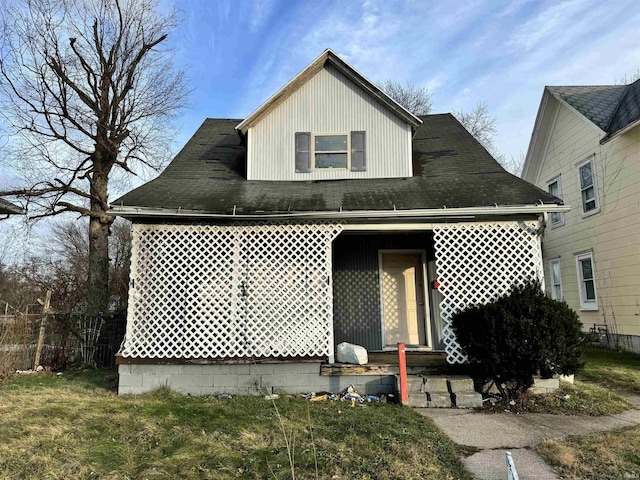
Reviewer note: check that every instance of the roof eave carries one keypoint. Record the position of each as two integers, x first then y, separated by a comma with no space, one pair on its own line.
617,133
442,213
536,131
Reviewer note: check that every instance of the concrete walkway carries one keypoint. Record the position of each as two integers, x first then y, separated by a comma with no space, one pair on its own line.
494,434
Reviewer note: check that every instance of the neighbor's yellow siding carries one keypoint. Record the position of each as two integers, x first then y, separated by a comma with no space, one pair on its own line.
613,234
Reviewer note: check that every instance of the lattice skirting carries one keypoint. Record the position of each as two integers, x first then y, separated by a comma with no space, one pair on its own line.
205,291
476,263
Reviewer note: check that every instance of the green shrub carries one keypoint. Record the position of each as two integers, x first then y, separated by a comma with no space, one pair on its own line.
519,335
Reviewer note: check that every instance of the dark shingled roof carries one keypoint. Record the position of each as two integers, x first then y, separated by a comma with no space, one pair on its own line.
450,169
610,107
8,208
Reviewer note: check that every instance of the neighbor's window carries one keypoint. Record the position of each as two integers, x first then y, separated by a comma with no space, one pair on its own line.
587,281
556,279
555,188
588,188
331,151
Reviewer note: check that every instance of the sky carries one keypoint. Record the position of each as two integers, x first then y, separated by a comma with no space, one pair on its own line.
238,53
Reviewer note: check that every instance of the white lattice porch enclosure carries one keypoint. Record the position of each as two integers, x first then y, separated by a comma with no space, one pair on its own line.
477,262
206,291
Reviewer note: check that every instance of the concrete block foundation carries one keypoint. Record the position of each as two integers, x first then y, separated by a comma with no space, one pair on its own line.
246,379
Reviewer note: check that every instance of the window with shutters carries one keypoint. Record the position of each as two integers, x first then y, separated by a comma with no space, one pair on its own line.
587,281
554,187
588,187
331,150
324,151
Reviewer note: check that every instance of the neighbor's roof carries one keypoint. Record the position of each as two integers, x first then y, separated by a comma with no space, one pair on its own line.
328,57
451,169
8,208
610,107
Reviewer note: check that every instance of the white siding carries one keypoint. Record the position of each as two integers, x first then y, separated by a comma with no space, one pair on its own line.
613,234
328,103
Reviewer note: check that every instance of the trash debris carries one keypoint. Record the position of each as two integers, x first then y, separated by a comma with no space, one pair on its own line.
39,368
512,403
349,394
224,396
272,396
59,374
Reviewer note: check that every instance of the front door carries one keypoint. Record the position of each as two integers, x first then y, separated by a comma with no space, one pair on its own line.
403,300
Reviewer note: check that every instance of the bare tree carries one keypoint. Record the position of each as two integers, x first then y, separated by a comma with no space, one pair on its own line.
415,99
480,124
628,79
87,94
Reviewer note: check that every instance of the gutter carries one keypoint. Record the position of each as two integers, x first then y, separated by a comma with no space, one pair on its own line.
471,212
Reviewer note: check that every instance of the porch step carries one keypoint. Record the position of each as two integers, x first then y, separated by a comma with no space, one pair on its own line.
441,392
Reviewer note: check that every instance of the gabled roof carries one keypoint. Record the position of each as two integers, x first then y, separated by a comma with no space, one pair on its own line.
327,57
8,208
611,108
451,170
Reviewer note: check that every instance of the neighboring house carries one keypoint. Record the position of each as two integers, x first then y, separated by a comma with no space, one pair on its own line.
329,214
585,149
8,208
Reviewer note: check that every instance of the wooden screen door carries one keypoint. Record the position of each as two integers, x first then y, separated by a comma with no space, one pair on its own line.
403,299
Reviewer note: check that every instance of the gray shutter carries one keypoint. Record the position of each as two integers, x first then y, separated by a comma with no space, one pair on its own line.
303,152
358,152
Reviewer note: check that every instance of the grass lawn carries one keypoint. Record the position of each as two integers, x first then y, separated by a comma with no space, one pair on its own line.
74,427
577,399
620,370
613,455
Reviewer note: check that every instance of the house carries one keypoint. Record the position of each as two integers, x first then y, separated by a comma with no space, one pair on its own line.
585,148
8,208
329,214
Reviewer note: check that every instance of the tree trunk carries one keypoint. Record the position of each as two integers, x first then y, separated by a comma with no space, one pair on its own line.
98,281
99,223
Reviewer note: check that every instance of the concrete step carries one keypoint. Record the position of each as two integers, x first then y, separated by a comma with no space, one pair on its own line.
415,383
460,384
439,400
468,399
418,400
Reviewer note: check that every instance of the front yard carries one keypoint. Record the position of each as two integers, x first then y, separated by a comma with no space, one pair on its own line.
612,455
74,427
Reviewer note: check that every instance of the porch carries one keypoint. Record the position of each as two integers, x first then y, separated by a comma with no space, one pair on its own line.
223,293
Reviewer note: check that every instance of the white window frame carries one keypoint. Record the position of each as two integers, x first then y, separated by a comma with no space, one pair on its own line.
552,262
586,304
591,160
559,215
328,134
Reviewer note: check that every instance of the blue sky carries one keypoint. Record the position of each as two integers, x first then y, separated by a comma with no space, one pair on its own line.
240,52
237,53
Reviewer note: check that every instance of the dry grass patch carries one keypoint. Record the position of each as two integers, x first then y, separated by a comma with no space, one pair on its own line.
614,369
73,427
606,456
577,399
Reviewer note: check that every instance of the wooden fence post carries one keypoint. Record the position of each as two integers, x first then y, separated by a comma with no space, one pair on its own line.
43,322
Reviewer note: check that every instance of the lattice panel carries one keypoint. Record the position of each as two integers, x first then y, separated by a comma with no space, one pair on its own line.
476,263
205,291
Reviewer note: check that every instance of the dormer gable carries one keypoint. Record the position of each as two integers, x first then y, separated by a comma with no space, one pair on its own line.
328,122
